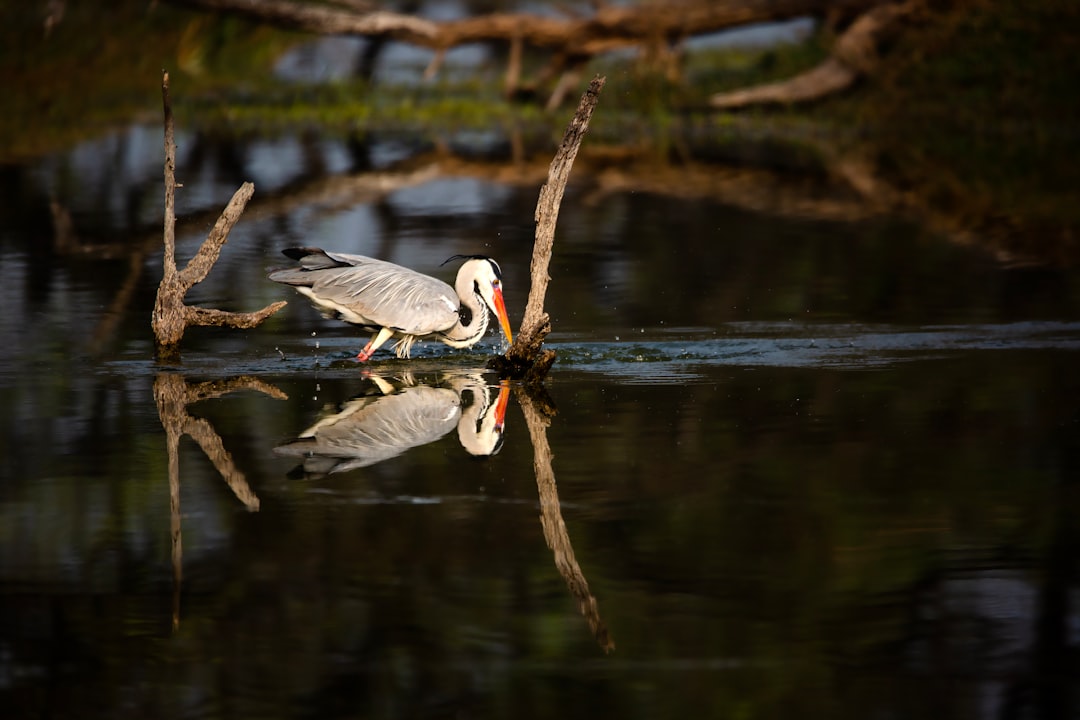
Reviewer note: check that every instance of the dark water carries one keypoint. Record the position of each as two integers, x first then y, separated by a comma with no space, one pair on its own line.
798,468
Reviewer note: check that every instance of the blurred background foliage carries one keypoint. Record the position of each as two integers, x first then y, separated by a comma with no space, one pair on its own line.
993,79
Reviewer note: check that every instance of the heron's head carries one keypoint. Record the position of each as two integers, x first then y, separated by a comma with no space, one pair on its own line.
486,278
482,424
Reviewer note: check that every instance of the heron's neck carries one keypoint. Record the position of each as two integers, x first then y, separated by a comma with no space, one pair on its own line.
477,430
472,316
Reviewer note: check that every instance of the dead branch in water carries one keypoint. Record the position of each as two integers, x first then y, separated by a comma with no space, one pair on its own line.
525,360
171,316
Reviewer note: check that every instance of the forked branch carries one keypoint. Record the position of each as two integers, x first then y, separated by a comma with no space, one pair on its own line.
171,316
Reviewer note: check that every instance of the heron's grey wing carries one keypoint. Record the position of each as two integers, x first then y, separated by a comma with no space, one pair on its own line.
384,428
412,417
389,295
313,258
313,261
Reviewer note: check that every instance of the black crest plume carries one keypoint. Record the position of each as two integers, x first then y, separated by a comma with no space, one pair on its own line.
494,265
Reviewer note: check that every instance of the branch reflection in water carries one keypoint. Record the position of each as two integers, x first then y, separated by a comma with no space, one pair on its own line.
392,417
537,409
173,394
395,415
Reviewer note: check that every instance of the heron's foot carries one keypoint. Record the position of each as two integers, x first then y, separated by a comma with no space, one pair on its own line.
374,344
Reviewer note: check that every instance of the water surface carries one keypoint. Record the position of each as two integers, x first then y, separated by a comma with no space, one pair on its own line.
798,467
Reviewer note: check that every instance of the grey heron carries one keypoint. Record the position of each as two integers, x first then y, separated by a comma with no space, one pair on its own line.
393,301
376,427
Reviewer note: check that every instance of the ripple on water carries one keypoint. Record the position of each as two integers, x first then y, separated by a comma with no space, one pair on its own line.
652,357
793,345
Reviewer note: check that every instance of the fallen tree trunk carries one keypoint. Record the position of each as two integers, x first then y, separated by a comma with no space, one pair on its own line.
855,55
831,76
571,40
345,20
611,27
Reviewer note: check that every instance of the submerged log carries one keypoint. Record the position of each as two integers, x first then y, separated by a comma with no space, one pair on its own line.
171,317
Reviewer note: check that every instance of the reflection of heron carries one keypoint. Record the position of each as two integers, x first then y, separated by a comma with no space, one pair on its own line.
373,428
393,301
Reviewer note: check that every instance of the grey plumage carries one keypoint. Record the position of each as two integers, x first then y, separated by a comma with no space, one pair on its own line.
395,301
374,428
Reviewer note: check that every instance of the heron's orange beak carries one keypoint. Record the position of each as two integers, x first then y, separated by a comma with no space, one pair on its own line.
501,403
500,312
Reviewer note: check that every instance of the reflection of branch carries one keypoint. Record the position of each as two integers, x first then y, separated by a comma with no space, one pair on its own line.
217,388
172,443
318,194
555,534
106,327
202,432
173,394
66,241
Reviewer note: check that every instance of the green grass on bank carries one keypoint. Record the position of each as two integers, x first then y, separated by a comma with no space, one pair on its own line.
974,109
98,69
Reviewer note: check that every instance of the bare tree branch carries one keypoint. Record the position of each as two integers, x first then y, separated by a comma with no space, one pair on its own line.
171,316
855,55
325,20
831,76
199,266
524,359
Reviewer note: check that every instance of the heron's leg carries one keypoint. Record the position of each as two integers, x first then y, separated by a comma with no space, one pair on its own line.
384,387
374,344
